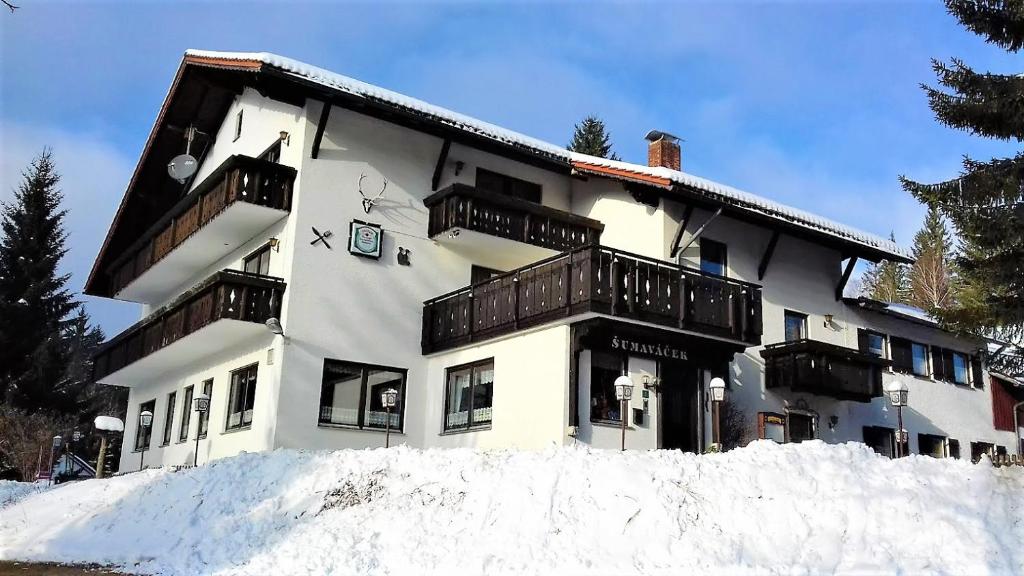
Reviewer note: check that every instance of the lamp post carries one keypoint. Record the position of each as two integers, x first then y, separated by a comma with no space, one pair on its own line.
145,421
53,448
389,398
623,391
717,388
898,392
201,404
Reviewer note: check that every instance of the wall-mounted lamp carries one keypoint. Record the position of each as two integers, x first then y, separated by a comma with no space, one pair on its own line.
454,233
286,138
828,320
275,244
274,325
459,165
833,421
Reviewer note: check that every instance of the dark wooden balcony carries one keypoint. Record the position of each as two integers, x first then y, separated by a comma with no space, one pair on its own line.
240,179
824,369
227,295
599,280
464,207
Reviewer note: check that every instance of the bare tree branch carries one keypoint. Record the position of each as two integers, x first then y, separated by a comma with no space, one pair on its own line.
11,6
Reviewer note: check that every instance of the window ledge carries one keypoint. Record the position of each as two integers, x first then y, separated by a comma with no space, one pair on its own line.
233,430
457,431
610,424
358,429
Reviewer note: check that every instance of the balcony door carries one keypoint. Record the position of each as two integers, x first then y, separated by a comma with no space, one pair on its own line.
679,405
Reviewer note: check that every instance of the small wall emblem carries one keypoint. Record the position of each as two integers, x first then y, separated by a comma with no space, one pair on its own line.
365,239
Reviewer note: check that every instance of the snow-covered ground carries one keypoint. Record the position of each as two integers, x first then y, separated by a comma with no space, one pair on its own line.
767,508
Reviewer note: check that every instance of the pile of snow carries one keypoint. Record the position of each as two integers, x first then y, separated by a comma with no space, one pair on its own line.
11,492
109,424
764,509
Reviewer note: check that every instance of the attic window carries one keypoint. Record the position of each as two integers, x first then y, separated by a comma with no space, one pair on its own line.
501,184
238,125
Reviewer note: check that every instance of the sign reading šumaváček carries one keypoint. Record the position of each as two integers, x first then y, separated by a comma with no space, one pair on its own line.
656,349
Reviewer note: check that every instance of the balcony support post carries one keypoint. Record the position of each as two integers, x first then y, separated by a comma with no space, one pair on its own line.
762,268
699,231
846,277
439,168
674,248
616,288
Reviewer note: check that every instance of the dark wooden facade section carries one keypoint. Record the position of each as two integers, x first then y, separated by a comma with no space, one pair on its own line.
600,280
238,179
465,207
824,369
226,295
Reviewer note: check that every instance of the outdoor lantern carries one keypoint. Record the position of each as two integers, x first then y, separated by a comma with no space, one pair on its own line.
201,403
898,392
146,418
717,387
76,436
56,442
623,388
389,398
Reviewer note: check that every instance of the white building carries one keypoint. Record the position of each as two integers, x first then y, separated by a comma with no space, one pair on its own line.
498,282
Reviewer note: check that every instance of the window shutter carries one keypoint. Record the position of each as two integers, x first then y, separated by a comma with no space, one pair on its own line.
938,368
862,339
979,378
902,355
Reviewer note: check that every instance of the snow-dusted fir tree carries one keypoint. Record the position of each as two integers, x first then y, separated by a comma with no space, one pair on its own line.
985,204
886,281
591,137
931,275
33,299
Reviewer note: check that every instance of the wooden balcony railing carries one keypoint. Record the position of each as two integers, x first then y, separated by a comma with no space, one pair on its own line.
226,295
465,207
238,179
594,279
824,369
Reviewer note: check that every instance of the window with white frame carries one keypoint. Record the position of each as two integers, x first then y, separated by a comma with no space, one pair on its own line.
241,398
469,396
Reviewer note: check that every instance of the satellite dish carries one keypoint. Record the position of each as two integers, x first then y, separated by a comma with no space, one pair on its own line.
182,167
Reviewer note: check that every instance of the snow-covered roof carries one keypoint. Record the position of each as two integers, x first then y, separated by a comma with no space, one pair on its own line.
109,424
911,311
713,190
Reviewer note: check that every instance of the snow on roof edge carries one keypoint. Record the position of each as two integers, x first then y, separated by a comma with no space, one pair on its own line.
461,121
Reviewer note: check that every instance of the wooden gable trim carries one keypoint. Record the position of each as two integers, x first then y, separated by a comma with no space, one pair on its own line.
623,174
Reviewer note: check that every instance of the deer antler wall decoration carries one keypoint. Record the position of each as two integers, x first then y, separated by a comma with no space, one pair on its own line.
368,202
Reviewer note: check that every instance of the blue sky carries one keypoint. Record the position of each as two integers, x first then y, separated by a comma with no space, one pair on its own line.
816,104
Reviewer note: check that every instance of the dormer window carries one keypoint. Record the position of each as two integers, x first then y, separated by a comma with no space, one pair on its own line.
507,185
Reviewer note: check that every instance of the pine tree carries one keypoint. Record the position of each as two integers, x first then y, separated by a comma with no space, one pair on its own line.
931,277
985,204
591,137
887,281
33,298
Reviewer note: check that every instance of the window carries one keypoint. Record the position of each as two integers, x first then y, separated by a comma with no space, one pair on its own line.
881,439
469,396
168,420
604,369
712,257
479,274
919,353
506,185
954,448
796,326
241,398
979,449
238,124
801,427
350,395
186,414
258,262
143,434
871,342
771,427
204,417
959,368
931,445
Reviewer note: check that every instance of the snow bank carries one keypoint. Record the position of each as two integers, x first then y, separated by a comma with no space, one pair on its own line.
11,492
764,509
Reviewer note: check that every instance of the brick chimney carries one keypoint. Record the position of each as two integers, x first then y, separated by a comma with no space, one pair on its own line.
663,150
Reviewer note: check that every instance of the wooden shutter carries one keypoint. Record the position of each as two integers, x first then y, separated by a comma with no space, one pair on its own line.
938,367
902,355
977,375
862,340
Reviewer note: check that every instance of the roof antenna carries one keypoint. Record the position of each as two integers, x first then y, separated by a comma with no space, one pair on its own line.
183,166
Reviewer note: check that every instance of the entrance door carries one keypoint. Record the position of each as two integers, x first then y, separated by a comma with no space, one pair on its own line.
679,406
